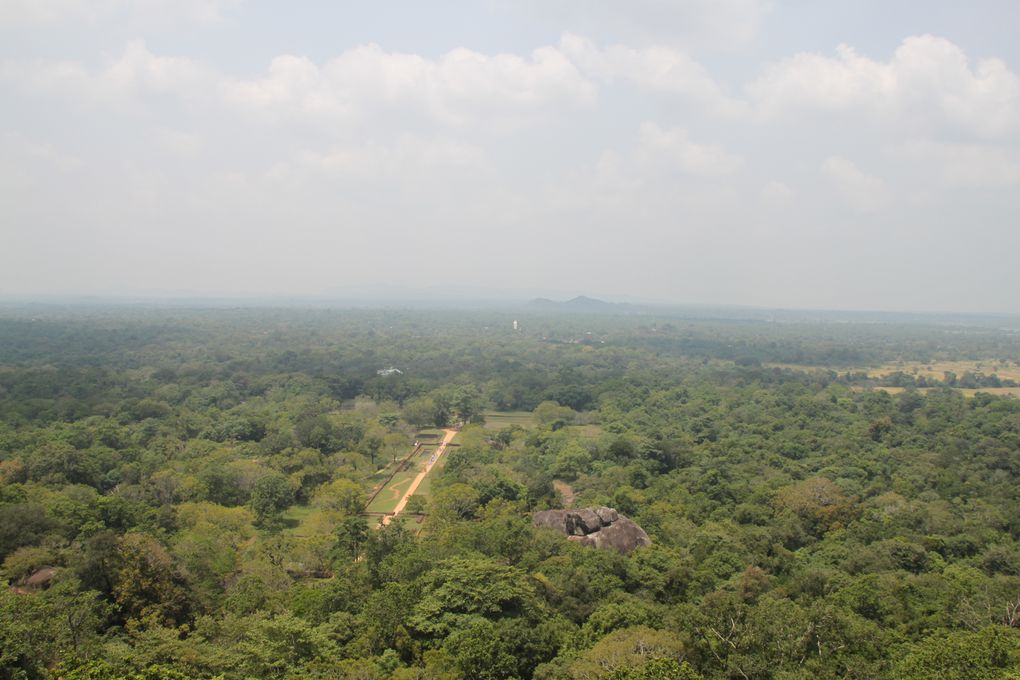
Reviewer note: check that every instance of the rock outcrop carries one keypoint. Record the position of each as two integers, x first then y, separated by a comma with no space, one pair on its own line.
41,579
598,527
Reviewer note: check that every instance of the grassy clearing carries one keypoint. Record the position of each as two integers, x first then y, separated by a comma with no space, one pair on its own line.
295,517
565,491
386,500
807,369
967,392
497,420
587,431
382,474
933,369
425,488
307,522
938,369
1007,391
409,522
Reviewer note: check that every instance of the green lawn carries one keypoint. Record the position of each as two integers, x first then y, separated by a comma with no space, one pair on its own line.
387,499
587,431
425,488
295,516
497,420
437,434
304,521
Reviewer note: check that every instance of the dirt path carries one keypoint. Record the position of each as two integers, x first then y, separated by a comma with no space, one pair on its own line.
421,475
566,491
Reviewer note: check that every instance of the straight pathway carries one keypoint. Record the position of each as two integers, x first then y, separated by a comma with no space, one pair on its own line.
433,459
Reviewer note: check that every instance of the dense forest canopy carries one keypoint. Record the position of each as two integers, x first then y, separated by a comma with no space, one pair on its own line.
182,494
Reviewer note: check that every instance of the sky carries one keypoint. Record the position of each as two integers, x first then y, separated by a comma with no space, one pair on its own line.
796,154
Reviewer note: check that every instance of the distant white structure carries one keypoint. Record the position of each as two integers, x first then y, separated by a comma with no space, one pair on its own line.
516,327
389,371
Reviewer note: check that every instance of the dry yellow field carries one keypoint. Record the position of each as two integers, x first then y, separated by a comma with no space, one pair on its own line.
934,369
1000,391
937,369
1014,391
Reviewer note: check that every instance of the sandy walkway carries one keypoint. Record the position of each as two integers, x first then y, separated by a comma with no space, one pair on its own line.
421,475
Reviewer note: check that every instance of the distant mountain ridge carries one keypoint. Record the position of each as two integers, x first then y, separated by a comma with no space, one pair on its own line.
583,303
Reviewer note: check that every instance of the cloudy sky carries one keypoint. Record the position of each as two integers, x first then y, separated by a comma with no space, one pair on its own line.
803,153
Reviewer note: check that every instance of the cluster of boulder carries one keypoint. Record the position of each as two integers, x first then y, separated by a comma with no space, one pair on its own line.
598,527
41,579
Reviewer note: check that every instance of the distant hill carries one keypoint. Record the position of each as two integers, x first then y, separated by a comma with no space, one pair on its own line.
582,303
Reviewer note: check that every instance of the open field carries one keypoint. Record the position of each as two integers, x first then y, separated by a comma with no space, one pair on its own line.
967,392
938,369
933,369
497,420
429,461
565,491
308,522
425,488
395,490
590,431
387,499
297,516
382,474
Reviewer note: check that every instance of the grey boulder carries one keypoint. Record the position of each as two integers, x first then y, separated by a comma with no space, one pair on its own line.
597,527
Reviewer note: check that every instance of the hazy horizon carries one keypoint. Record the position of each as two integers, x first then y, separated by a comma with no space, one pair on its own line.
736,153
510,301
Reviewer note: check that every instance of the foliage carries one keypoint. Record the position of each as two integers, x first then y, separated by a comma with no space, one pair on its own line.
182,498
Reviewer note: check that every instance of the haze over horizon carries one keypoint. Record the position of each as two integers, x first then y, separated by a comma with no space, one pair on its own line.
741,152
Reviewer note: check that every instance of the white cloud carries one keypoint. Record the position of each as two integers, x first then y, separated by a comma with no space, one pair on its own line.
29,12
929,80
136,72
663,178
178,142
712,24
656,69
405,158
459,87
138,69
29,156
673,148
777,194
964,165
861,190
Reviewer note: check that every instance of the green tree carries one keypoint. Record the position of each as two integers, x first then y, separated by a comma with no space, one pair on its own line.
988,654
349,538
149,587
272,494
422,412
454,502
